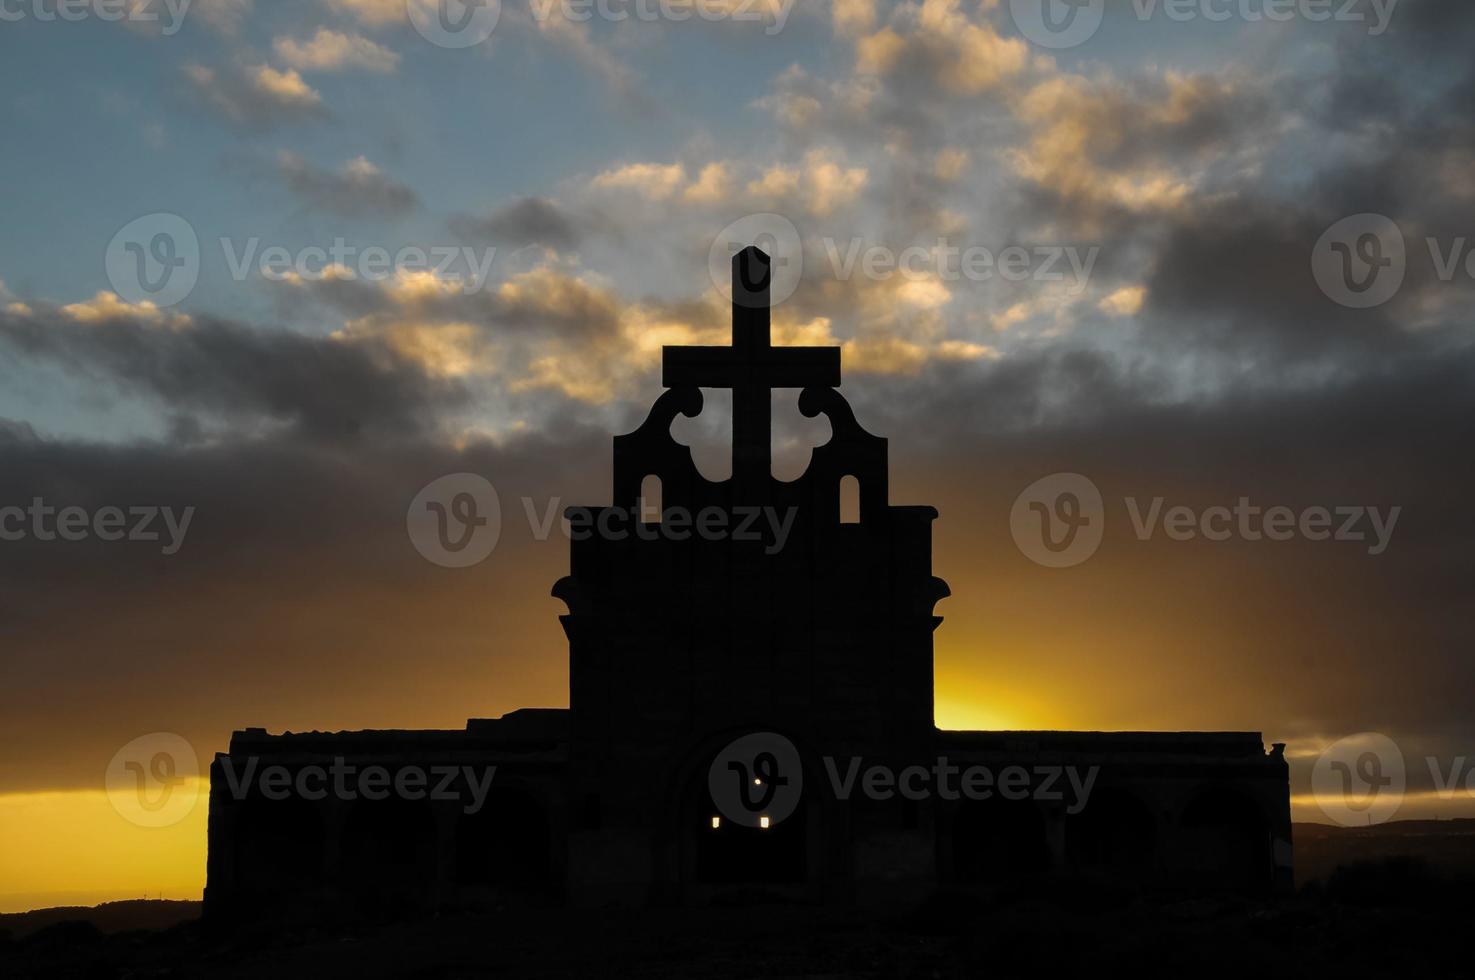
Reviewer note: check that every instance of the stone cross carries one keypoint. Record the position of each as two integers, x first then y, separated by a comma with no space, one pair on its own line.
752,367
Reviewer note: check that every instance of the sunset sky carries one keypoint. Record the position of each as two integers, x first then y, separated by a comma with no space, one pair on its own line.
593,164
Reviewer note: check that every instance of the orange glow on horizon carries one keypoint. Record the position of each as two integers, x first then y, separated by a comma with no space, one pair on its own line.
72,848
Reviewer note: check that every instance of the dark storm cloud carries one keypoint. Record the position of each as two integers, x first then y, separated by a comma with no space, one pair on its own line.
296,599
355,190
527,221
297,574
1298,638
317,387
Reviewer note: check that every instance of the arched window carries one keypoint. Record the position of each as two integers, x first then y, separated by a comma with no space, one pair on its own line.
849,500
650,500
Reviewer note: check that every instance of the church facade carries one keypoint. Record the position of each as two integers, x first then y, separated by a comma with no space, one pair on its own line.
750,716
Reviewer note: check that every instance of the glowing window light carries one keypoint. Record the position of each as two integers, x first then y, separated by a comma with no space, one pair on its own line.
763,823
716,822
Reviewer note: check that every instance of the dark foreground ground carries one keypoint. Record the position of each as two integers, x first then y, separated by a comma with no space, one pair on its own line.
1380,914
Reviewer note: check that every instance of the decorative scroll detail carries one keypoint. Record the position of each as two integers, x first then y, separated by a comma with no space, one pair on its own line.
651,451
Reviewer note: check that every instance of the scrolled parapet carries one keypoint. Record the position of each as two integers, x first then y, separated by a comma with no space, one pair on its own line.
850,451
651,451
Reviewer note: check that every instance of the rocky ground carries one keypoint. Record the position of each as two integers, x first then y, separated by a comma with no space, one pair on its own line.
1383,914
1377,920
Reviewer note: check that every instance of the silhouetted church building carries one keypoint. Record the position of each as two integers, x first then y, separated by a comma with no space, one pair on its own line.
681,644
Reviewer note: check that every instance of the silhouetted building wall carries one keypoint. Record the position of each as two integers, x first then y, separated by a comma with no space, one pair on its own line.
806,626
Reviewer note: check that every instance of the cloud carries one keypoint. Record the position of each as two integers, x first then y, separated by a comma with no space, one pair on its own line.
107,306
653,180
1126,301
1106,145
526,221
225,16
712,185
818,184
154,17
330,50
259,97
544,328
375,13
829,185
221,373
356,189
293,538
308,543
935,40
562,25
852,17
1200,363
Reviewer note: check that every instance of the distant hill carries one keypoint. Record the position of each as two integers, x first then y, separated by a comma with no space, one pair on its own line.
108,918
1446,846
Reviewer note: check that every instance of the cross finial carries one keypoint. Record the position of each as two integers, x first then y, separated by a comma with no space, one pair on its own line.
752,275
751,367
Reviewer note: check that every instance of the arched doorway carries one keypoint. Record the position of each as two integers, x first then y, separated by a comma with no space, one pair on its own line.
1115,833
280,848
727,852
1224,842
756,839
998,840
505,845
389,854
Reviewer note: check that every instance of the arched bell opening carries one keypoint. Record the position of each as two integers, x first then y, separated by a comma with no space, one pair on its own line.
995,840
